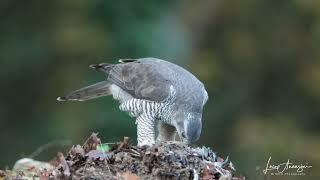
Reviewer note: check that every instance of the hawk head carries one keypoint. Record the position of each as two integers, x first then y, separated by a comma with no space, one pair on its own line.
188,125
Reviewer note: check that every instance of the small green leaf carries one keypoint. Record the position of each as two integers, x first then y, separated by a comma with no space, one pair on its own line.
103,147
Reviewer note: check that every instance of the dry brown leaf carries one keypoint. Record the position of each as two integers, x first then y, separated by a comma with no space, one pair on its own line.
63,165
205,175
2,173
127,176
91,143
119,145
77,150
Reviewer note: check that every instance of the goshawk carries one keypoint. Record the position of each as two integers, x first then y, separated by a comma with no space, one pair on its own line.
163,97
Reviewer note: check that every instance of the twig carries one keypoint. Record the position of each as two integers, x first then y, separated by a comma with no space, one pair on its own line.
44,147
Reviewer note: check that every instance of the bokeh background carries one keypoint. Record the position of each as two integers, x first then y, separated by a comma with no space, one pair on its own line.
259,61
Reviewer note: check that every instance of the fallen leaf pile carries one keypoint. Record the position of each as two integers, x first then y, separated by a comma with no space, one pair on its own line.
166,160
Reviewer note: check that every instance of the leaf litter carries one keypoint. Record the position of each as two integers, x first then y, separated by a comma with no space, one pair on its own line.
166,160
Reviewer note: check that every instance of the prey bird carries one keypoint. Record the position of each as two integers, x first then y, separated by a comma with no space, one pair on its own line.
163,97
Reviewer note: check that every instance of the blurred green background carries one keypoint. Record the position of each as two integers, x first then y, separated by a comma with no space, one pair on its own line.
259,61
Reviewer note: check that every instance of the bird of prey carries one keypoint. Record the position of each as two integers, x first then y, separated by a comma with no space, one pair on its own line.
163,97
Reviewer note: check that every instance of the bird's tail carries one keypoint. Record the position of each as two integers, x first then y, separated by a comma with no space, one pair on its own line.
89,92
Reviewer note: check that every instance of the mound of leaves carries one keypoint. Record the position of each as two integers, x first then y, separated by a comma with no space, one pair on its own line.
167,160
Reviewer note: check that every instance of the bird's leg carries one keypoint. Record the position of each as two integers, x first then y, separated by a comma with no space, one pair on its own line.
166,132
145,130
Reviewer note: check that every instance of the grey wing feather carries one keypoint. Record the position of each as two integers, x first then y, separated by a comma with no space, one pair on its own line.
141,80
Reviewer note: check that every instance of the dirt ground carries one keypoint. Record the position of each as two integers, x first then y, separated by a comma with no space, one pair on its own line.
167,160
